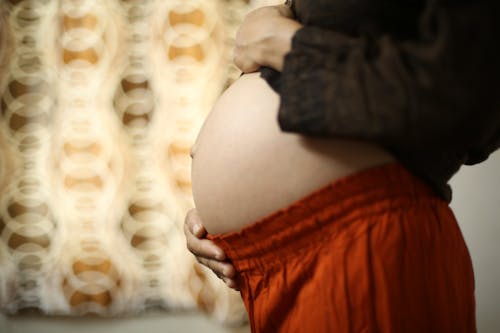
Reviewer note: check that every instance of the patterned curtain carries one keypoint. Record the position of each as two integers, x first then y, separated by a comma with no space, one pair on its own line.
100,102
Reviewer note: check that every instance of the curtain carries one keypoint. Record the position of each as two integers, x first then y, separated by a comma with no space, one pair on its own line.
100,102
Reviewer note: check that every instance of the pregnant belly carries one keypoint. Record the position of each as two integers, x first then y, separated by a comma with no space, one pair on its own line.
245,168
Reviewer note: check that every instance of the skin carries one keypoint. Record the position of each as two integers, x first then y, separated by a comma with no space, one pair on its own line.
205,251
263,39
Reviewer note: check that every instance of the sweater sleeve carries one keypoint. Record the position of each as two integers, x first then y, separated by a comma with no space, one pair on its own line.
437,91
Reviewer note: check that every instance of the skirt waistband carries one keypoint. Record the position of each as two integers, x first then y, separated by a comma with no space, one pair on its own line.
328,210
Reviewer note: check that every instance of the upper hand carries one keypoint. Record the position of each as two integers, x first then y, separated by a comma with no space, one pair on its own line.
207,252
264,38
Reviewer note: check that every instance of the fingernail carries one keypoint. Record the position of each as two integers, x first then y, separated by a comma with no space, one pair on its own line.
227,272
196,229
219,255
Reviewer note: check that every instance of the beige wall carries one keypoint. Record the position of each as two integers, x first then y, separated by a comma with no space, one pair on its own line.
476,204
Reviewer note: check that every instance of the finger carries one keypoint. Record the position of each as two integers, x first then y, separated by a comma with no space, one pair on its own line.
243,61
200,247
193,224
269,11
285,11
222,269
231,283
204,248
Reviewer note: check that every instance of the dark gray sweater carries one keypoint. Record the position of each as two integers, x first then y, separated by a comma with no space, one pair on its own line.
420,78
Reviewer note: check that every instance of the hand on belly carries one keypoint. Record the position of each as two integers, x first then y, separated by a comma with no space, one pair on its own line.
244,167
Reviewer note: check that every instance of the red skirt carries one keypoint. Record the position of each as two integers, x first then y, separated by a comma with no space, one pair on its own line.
376,251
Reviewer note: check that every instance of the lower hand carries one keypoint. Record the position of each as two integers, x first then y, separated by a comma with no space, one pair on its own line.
207,252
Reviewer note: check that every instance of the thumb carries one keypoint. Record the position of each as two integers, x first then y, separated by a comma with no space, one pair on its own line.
199,230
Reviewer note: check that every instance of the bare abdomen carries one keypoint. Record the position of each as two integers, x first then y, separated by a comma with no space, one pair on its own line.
244,167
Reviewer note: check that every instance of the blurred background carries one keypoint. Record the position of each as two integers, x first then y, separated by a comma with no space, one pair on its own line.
100,102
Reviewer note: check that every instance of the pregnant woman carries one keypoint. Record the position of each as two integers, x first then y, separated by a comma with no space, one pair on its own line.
335,234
